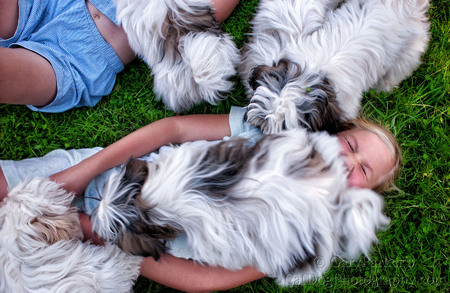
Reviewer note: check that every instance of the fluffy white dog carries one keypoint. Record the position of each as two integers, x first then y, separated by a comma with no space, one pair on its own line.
308,62
190,57
41,248
282,205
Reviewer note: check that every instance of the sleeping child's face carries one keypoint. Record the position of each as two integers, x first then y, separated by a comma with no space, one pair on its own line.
367,157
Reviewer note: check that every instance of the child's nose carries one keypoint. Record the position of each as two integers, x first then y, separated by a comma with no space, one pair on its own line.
351,161
348,163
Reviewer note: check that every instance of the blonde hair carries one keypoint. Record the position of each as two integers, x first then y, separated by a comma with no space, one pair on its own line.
386,182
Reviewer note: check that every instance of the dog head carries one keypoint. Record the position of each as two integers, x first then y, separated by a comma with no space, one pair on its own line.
38,211
287,96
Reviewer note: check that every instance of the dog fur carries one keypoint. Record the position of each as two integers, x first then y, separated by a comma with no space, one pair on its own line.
307,63
41,248
280,205
190,57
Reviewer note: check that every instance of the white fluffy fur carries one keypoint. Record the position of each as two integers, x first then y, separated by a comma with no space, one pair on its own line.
287,206
358,45
197,65
41,248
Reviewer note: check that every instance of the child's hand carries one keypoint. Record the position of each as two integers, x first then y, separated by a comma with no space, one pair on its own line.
88,233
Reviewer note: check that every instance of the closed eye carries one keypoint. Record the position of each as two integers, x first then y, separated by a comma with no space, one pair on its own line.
363,168
349,144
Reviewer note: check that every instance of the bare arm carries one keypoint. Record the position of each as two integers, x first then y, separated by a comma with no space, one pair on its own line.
183,274
149,138
188,276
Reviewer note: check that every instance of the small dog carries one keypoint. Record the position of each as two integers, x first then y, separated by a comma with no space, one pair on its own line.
307,63
190,57
41,248
280,205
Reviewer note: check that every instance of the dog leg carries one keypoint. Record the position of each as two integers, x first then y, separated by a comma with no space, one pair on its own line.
190,57
276,24
412,31
366,44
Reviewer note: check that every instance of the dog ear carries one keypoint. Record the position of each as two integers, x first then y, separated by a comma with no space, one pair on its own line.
323,111
136,240
116,209
269,75
359,219
126,218
143,236
136,172
52,228
179,23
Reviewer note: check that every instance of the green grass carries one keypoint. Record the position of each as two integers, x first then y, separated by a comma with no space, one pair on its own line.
413,254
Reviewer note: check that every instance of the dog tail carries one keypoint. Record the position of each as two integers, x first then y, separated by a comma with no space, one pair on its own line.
207,62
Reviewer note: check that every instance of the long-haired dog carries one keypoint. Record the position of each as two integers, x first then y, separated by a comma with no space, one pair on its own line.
41,248
281,205
191,58
307,63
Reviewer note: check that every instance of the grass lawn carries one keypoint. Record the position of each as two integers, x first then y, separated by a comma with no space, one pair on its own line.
413,254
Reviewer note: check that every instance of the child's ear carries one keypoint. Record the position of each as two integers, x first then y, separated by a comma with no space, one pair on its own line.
359,219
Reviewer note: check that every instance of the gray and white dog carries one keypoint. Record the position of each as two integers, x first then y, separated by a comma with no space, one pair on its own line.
307,63
191,58
280,205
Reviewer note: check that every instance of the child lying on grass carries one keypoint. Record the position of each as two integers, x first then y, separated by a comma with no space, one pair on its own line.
371,155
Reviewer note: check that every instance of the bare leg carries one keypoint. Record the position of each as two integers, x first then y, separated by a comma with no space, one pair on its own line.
113,34
3,186
117,38
25,78
223,8
9,15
